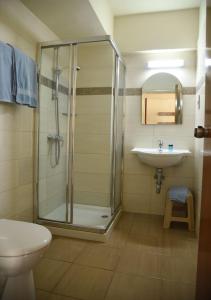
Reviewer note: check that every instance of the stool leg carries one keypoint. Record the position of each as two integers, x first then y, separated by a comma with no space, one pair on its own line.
190,211
168,214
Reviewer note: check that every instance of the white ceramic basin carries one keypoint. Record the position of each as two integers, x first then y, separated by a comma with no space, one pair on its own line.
161,159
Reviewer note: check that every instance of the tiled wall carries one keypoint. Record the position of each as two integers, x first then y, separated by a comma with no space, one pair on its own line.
16,130
16,164
139,184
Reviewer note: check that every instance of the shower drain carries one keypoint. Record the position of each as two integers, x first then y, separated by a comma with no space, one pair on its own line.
104,216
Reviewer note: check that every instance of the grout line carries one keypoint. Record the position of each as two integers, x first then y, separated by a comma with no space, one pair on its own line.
80,252
109,285
65,272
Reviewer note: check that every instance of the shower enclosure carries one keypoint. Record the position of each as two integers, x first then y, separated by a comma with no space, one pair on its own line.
79,144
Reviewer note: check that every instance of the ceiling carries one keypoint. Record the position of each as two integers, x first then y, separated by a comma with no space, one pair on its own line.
74,19
126,7
68,19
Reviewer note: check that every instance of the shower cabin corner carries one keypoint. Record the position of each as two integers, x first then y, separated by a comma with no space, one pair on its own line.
79,137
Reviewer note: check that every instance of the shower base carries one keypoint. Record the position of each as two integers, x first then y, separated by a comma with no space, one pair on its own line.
83,215
89,222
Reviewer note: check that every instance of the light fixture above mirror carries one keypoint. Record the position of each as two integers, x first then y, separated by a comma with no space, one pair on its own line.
167,63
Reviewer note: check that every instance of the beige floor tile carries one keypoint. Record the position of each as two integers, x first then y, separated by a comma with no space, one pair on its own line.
48,273
130,287
85,283
156,226
178,269
141,224
117,239
42,295
177,291
180,230
99,256
125,222
141,229
137,262
65,249
120,233
180,247
146,243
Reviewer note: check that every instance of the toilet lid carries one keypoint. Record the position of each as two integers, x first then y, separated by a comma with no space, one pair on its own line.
20,238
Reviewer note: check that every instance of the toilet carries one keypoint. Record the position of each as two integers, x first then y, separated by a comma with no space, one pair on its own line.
22,244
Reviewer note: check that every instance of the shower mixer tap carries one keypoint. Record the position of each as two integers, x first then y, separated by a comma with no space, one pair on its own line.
55,137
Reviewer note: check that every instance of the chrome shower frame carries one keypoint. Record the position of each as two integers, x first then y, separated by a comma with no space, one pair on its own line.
68,223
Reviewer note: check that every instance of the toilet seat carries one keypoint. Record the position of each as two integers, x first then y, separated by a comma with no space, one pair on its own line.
19,238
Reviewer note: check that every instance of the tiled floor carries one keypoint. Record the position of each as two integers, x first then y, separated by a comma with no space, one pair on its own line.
141,261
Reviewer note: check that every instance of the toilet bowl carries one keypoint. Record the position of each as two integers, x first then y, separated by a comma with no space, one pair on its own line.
22,244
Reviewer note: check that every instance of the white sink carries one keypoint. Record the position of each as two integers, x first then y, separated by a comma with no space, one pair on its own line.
161,159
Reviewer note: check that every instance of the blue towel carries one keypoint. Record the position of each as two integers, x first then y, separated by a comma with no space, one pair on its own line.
25,85
7,93
178,193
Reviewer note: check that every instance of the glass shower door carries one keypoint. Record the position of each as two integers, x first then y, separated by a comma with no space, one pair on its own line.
119,131
52,179
93,135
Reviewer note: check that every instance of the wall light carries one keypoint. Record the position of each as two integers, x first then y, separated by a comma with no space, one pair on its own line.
168,63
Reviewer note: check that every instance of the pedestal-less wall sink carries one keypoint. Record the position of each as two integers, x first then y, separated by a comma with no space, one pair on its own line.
161,158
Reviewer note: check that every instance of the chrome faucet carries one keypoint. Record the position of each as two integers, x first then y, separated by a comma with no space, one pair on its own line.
160,145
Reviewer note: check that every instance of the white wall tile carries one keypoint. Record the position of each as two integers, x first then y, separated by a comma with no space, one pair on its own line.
137,203
92,143
92,182
92,198
92,163
137,184
25,171
93,104
9,175
93,124
133,165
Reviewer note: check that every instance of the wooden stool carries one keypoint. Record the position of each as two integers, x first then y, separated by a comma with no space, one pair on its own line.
168,216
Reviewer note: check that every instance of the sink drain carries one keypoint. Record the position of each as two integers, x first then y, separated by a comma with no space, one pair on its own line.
104,216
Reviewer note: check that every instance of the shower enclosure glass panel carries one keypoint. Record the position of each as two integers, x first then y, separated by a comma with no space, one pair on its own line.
92,136
80,134
119,117
53,129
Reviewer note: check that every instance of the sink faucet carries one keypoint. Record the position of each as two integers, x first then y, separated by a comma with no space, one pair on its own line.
160,145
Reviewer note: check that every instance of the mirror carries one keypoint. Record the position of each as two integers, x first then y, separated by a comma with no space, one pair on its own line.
161,100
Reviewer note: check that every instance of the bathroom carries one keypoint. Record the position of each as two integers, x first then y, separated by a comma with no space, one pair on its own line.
75,166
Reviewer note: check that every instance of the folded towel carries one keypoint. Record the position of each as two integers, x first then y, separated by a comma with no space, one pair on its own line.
25,85
178,193
6,74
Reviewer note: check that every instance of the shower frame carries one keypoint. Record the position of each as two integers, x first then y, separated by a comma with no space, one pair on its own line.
115,211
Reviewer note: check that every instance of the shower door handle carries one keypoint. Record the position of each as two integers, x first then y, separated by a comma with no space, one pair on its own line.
202,132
